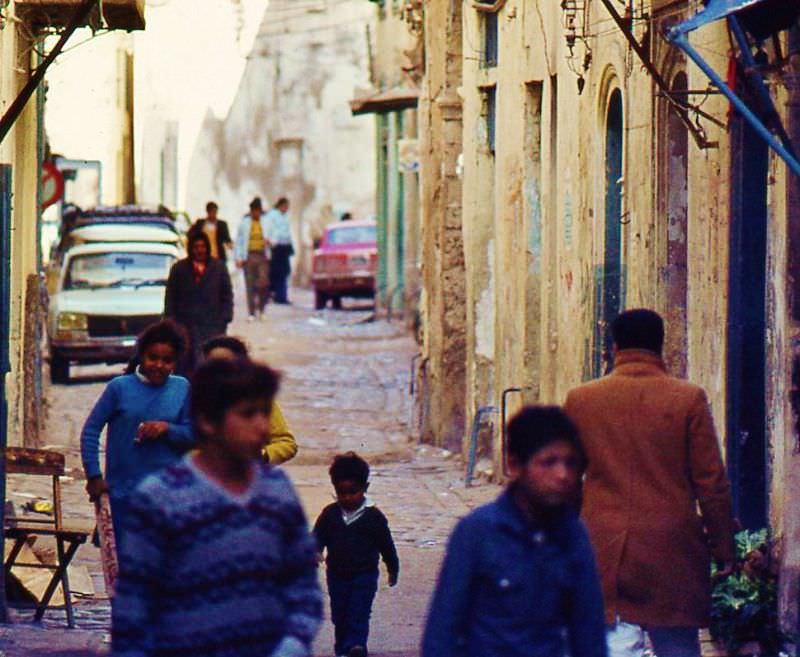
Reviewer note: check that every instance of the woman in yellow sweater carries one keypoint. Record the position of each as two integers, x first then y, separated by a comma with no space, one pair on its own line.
282,446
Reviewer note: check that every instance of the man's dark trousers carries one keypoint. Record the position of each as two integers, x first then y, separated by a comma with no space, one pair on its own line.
351,606
279,269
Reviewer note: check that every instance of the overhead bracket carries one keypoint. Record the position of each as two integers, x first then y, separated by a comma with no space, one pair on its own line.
681,109
716,10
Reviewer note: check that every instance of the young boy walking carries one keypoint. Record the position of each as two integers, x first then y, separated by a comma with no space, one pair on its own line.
519,578
219,561
355,533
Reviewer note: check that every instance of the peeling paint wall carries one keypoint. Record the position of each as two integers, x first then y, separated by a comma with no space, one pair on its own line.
443,254
289,131
535,219
19,149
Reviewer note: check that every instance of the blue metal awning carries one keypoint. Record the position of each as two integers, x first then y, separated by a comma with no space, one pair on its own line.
717,10
714,11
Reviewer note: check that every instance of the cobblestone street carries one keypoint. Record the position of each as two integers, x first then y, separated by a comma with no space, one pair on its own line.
345,387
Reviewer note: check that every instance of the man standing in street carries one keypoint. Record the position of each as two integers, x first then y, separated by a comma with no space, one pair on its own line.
251,251
217,230
653,457
280,238
199,296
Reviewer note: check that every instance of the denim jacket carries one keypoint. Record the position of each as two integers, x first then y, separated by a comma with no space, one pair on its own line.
511,589
243,235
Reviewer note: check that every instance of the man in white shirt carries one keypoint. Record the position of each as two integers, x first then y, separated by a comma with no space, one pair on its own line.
279,233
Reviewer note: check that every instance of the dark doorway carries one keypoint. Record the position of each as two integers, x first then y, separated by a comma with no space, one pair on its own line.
746,422
609,279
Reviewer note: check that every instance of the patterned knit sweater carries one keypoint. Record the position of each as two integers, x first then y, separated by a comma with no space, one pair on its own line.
205,573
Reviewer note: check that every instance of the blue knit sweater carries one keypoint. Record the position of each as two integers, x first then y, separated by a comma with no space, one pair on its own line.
205,573
125,403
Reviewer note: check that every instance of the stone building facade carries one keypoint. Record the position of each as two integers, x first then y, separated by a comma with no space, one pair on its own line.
562,184
289,131
396,68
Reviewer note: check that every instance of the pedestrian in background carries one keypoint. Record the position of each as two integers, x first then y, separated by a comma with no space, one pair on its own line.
281,445
519,578
219,237
653,457
219,560
354,533
147,415
280,239
199,296
252,255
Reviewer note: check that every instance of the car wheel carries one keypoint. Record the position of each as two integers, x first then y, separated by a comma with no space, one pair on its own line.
59,369
320,299
337,303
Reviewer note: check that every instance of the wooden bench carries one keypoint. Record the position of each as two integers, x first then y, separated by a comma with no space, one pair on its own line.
24,530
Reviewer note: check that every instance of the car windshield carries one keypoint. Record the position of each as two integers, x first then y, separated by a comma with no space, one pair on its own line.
352,235
117,269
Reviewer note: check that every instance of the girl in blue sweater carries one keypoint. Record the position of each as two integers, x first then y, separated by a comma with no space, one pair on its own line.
146,412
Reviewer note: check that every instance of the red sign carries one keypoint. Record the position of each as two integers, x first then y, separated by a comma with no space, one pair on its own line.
52,184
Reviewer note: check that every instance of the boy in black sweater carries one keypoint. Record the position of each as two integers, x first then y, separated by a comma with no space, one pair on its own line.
354,533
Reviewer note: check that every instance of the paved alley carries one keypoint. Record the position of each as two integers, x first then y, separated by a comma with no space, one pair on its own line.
345,387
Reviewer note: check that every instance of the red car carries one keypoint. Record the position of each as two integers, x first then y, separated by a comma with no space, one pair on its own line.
345,263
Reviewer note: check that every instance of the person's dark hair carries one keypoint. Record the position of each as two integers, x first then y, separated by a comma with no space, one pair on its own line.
282,201
219,384
197,235
229,342
535,427
346,216
639,329
256,203
349,467
211,206
166,331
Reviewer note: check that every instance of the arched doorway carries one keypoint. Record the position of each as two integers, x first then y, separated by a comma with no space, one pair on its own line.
610,283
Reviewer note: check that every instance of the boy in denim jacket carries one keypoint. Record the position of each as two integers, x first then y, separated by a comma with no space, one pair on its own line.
519,578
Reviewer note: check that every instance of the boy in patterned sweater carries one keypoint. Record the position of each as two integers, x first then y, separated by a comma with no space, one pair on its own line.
220,562
354,533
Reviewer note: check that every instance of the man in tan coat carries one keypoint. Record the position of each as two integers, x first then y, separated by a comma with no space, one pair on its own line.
653,459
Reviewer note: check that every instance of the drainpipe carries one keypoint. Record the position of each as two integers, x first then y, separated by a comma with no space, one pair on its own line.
5,365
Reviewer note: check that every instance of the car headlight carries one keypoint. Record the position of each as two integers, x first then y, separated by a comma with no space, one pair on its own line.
72,322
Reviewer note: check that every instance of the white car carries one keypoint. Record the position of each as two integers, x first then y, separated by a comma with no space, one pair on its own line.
107,293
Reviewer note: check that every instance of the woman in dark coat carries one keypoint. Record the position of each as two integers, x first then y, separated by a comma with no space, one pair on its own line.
199,295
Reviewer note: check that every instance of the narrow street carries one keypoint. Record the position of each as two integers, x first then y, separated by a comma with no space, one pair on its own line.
345,387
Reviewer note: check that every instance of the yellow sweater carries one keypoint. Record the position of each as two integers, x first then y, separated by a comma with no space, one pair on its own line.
282,445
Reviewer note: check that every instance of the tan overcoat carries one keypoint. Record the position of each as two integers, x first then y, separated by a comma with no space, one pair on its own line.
653,458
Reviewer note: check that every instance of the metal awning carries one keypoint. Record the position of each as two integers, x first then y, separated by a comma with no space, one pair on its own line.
776,137
392,100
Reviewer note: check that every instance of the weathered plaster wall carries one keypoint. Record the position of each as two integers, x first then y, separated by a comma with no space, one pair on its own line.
19,149
534,212
289,130
444,347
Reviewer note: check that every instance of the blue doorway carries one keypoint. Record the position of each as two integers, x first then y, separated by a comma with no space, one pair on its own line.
609,277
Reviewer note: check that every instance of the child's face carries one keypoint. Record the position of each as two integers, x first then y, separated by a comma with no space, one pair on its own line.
244,429
550,477
350,494
158,362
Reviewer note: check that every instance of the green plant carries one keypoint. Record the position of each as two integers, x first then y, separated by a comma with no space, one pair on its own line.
745,604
